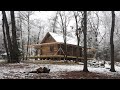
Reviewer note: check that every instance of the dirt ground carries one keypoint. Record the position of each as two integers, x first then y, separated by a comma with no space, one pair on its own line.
86,75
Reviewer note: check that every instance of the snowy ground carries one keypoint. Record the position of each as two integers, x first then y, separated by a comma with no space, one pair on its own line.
21,70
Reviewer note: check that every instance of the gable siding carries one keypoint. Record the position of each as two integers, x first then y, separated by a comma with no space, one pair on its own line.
46,49
48,39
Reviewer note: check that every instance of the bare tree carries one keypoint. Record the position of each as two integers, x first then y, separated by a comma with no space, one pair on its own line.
94,27
16,52
55,22
38,38
21,34
10,48
28,23
111,41
10,42
4,38
85,69
64,28
94,31
78,33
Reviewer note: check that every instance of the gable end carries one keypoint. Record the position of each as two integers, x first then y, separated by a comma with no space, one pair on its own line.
48,38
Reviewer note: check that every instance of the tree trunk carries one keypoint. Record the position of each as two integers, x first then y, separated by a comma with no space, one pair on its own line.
65,48
64,34
22,39
54,22
36,51
111,42
28,42
4,38
21,36
78,50
8,37
78,37
85,69
14,39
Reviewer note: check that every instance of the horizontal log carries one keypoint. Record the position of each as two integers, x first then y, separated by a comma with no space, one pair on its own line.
58,56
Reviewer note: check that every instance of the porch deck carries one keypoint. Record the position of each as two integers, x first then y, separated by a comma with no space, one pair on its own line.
57,57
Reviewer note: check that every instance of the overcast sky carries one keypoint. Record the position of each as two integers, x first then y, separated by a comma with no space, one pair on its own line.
44,15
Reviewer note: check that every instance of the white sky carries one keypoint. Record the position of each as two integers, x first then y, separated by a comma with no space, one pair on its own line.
44,15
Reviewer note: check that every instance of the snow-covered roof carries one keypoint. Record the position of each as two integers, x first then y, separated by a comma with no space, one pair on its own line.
59,38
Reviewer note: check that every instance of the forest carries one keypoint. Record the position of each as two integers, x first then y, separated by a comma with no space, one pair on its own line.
99,30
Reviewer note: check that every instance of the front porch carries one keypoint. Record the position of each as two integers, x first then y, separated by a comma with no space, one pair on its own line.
56,57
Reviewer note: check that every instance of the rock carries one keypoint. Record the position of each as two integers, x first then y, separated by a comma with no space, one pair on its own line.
46,70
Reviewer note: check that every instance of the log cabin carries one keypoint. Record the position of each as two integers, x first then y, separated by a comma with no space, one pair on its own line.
52,47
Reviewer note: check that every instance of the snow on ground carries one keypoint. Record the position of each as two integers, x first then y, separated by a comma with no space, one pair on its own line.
105,70
20,70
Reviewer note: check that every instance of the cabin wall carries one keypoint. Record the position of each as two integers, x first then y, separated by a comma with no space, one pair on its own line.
71,50
54,49
48,49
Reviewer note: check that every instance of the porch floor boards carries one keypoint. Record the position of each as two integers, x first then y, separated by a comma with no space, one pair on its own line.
56,57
